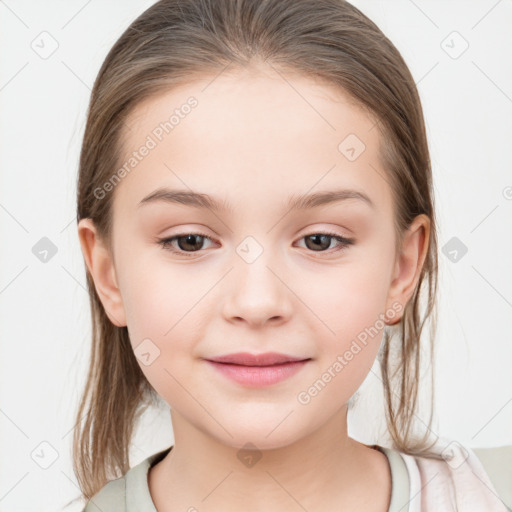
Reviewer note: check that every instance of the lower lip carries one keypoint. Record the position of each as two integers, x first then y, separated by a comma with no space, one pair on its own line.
258,376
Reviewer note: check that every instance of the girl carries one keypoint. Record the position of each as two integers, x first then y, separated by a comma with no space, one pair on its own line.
255,211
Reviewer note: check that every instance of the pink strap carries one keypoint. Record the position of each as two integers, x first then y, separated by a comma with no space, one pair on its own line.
458,483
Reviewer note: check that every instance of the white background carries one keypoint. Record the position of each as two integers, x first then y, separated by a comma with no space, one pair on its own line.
45,332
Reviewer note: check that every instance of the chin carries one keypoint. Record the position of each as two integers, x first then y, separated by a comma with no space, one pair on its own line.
259,437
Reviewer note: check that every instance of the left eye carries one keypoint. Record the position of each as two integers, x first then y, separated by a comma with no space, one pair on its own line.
322,241
192,242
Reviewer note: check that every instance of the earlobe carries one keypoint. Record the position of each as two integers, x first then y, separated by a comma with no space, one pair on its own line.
100,264
409,262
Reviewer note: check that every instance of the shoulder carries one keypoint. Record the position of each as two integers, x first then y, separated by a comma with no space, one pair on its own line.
459,478
110,498
131,488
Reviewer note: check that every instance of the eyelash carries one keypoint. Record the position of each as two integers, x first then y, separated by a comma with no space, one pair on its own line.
165,243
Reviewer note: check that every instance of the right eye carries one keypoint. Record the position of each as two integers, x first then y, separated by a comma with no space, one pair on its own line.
185,241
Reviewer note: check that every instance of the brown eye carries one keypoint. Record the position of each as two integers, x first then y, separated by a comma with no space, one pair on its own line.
190,242
321,242
184,243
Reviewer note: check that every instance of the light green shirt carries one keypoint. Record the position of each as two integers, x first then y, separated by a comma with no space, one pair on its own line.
130,493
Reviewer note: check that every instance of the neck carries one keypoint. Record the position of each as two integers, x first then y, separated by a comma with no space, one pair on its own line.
325,468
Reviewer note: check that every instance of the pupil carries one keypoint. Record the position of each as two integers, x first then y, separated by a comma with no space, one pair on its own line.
189,239
317,240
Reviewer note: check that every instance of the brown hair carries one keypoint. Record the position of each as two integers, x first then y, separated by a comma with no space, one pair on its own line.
168,44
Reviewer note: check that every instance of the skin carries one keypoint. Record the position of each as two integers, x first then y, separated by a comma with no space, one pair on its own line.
254,141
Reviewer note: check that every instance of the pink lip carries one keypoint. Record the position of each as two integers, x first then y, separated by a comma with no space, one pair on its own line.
266,359
257,370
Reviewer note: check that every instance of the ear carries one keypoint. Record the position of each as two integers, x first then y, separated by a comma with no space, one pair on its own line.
100,263
409,262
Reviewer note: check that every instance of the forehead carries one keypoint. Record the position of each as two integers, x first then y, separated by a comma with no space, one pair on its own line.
251,137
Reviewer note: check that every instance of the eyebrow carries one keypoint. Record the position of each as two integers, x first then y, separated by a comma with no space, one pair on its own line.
296,202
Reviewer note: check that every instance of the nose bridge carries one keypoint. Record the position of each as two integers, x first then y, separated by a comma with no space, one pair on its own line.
257,293
254,257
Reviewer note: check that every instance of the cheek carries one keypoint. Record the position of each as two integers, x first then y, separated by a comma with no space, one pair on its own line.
157,295
349,336
350,302
161,329
350,299
163,306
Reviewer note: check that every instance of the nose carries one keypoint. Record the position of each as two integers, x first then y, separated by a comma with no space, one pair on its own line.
257,293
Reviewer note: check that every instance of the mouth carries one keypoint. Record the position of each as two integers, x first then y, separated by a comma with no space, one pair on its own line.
265,359
259,370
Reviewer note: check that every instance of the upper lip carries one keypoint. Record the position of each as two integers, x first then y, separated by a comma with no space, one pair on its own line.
247,359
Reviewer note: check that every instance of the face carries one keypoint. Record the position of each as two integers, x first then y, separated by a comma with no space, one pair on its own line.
260,272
